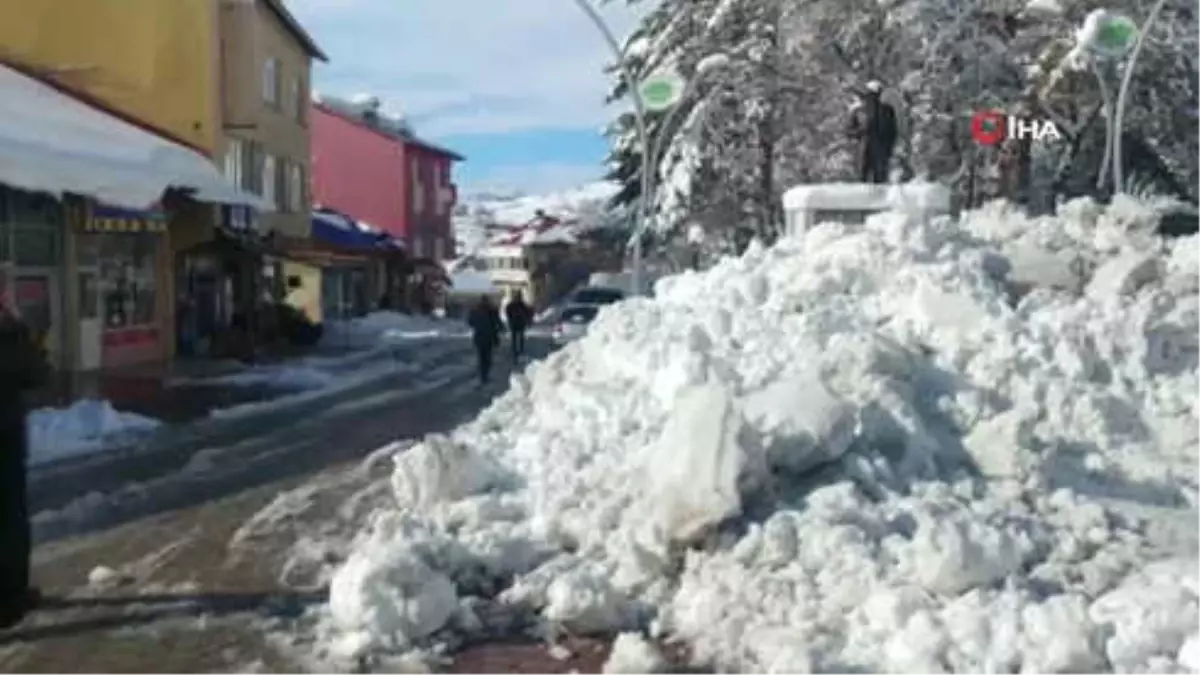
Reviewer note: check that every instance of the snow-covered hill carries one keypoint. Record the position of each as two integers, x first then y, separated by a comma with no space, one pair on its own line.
476,212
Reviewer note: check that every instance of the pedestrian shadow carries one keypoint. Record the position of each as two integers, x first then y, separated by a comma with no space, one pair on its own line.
141,610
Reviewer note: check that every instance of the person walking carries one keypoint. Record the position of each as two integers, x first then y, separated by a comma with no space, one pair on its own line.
22,367
486,329
519,316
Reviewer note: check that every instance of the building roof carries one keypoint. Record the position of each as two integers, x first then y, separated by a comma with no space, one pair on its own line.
409,139
293,26
541,230
51,141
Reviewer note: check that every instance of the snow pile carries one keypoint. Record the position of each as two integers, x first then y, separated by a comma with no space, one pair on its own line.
384,328
868,448
87,426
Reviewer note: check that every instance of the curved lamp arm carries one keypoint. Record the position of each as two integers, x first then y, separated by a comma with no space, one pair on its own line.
1123,94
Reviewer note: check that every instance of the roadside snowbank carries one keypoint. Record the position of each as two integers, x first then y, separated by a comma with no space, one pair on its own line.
868,448
87,426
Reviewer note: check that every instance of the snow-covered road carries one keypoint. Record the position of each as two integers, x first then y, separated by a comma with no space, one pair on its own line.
189,467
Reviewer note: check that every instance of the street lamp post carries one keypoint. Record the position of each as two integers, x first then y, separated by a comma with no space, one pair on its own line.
1119,122
650,148
639,111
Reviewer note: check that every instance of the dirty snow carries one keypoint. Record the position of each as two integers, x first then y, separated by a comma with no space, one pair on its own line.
384,328
868,448
85,427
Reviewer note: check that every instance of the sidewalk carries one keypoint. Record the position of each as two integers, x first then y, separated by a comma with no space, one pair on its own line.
146,389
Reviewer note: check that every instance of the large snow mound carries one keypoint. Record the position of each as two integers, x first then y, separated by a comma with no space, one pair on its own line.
867,448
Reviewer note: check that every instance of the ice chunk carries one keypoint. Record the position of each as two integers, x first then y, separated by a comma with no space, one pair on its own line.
584,602
389,593
807,425
1123,275
438,470
696,464
632,653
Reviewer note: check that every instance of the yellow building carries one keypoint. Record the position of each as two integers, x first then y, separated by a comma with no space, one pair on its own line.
193,72
149,60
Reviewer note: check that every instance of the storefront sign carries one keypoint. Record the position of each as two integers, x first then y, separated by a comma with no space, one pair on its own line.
108,219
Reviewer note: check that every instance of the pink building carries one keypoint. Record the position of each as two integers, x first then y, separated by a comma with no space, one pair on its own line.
377,172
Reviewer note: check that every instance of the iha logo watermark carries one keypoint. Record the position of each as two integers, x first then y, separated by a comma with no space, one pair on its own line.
991,127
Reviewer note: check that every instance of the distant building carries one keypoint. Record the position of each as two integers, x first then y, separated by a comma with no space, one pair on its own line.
537,259
374,169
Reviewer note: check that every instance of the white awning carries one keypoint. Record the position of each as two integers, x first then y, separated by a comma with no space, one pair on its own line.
51,142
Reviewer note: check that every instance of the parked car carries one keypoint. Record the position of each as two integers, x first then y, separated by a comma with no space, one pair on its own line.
597,296
572,322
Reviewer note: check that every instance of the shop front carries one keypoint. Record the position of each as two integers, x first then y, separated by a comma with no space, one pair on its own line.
31,269
219,283
121,308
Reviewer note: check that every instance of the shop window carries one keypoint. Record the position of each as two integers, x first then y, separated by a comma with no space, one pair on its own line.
127,280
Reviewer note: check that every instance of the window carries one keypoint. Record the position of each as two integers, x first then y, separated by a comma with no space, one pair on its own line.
269,179
299,99
418,188
252,168
270,83
297,201
235,161
439,248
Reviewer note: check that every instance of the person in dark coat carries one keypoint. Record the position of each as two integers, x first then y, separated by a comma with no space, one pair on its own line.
519,316
486,328
873,125
22,367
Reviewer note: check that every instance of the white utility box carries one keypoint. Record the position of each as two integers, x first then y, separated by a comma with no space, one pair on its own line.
807,205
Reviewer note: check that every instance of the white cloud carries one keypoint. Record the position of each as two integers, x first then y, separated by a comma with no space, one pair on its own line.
461,66
535,178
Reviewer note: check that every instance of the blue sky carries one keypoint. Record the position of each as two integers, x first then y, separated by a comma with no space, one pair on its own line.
515,85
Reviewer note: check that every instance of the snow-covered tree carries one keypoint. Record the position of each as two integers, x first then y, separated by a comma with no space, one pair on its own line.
773,115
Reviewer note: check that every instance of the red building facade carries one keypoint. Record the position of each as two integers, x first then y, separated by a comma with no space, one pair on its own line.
389,180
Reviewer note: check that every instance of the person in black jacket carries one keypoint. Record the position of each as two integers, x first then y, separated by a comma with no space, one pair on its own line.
519,316
486,328
22,367
873,125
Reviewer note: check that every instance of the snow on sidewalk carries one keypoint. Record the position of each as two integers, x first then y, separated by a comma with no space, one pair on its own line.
87,426
373,342
855,451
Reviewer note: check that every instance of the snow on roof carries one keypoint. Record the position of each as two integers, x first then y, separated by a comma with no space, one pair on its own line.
52,142
472,282
867,197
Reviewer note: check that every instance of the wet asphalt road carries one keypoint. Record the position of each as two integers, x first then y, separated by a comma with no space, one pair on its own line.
186,467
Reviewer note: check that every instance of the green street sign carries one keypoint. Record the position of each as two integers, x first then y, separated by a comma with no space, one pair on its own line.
662,91
1115,37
